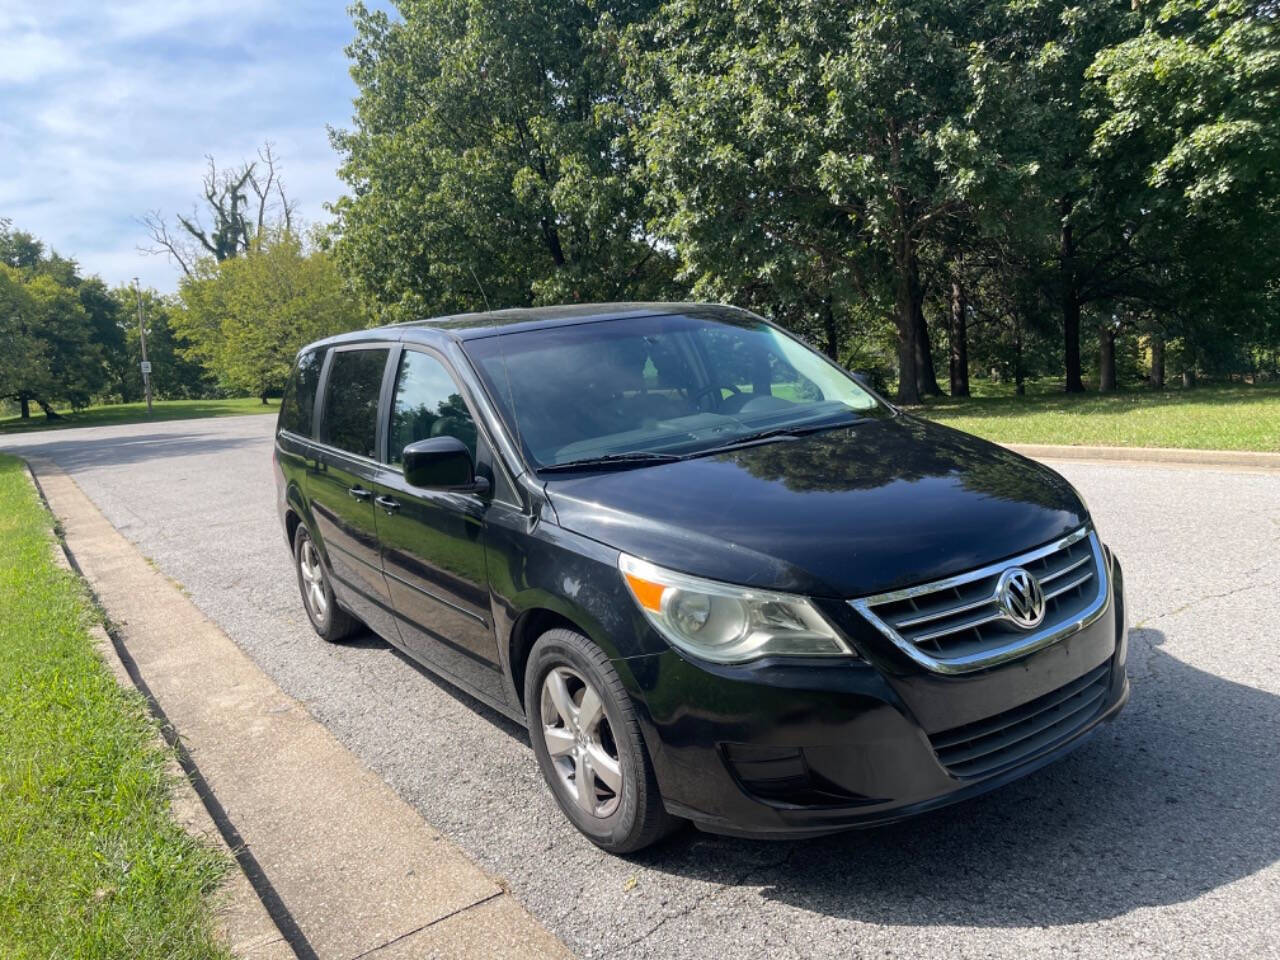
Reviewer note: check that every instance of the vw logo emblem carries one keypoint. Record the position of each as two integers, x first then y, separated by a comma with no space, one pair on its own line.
1020,597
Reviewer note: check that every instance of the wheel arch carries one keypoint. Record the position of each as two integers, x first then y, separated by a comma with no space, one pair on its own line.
525,631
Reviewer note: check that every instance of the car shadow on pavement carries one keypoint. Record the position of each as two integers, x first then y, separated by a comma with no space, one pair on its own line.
72,454
479,707
1178,797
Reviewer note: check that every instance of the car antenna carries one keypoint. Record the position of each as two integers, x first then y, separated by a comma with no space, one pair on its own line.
483,296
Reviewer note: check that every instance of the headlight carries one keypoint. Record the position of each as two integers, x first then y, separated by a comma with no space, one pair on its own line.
725,623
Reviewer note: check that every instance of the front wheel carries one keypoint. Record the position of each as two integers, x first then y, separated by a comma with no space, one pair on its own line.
584,733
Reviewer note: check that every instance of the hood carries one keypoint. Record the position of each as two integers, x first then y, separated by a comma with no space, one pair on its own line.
883,504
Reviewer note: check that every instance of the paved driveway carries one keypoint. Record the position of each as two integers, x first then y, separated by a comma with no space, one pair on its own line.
1159,837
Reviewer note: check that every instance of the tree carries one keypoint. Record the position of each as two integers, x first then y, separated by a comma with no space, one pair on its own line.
243,203
245,318
57,324
23,360
53,356
174,374
832,136
1076,218
1191,105
487,163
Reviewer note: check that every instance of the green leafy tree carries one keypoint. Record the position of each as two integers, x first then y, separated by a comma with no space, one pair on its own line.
57,323
55,360
174,374
816,148
1192,105
1075,221
488,164
244,319
24,359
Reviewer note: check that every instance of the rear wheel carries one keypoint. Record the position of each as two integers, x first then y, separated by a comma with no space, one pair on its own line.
584,733
330,621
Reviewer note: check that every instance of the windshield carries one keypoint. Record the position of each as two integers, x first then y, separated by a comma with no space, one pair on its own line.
659,385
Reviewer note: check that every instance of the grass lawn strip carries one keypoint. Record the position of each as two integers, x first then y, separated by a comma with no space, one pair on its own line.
1228,417
91,862
112,414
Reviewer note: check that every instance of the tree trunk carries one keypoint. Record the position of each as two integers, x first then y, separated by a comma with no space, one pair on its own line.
831,330
906,293
926,373
552,237
1188,378
25,403
1070,308
1019,378
49,412
958,338
1157,362
1107,359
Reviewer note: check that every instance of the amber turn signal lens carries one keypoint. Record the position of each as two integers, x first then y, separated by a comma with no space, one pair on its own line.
648,593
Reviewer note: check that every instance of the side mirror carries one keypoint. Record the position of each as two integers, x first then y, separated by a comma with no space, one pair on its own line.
442,463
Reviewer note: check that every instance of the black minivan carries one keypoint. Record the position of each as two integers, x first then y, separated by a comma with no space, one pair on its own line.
719,578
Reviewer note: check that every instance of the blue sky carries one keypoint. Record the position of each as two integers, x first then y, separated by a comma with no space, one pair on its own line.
107,110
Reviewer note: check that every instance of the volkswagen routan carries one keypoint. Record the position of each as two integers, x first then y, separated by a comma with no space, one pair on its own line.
719,578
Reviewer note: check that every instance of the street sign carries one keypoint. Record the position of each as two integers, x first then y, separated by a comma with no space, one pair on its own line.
146,366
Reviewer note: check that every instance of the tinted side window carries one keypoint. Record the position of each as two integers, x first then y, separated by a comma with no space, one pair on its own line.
427,403
297,406
350,419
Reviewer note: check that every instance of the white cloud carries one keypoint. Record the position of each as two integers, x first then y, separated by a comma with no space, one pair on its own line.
108,110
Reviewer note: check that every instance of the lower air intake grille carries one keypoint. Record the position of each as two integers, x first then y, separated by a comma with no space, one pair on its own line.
1007,739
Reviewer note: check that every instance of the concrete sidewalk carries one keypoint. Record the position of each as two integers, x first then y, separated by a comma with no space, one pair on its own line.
1176,456
344,867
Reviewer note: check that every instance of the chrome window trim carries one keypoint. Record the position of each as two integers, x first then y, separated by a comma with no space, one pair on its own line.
1017,648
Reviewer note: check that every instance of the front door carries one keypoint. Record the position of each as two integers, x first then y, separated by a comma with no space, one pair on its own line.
341,487
433,540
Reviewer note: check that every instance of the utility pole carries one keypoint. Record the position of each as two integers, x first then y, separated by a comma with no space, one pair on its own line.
142,339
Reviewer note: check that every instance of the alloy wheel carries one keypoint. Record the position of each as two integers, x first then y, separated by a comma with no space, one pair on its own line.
581,742
313,579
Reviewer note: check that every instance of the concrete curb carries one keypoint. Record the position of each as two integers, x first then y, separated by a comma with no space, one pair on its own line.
1239,459
342,865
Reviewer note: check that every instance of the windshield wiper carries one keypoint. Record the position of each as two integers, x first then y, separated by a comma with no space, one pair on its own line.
775,433
639,458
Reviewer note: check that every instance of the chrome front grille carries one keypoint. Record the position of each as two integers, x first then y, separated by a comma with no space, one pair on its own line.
1015,736
960,624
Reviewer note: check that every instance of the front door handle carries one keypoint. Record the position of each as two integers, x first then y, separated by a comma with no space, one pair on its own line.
389,504
359,493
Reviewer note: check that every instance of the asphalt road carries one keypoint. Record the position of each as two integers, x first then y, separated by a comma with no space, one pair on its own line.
1160,837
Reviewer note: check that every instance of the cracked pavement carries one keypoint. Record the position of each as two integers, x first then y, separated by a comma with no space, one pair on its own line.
1160,836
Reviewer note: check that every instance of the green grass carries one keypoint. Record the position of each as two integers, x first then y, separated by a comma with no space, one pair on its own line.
109,414
1210,417
91,862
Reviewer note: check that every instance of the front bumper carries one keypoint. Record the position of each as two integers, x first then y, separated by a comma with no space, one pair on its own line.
790,748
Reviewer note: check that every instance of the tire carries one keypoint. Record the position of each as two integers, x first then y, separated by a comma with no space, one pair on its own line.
330,621
623,811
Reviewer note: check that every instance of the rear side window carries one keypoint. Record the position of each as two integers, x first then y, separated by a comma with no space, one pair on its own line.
350,420
427,403
297,406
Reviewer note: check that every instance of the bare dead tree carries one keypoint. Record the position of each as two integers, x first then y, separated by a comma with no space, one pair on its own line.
239,221
264,176
178,248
